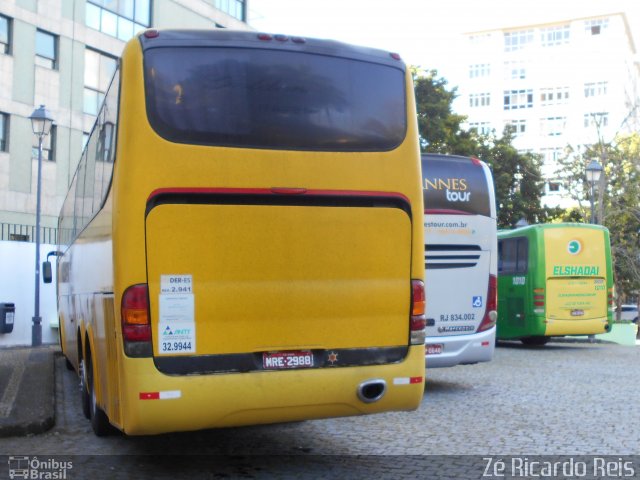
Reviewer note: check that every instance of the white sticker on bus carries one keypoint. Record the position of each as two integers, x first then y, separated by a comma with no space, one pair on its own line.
176,284
177,328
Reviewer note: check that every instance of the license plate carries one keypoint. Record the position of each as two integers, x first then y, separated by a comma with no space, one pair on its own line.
285,360
434,349
577,313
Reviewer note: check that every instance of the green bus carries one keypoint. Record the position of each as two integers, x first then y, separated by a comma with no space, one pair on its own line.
554,280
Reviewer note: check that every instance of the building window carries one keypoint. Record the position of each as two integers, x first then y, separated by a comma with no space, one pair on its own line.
595,89
518,127
599,119
554,96
517,40
98,70
48,146
553,126
479,100
4,132
514,99
235,8
550,156
596,27
554,187
479,70
483,128
515,71
5,34
121,19
554,36
46,49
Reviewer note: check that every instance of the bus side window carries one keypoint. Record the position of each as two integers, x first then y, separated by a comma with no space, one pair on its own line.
523,255
513,255
509,253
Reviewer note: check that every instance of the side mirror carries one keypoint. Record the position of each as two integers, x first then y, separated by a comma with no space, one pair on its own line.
46,272
47,275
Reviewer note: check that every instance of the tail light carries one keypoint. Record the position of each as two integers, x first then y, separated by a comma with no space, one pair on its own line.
538,301
418,319
136,326
491,311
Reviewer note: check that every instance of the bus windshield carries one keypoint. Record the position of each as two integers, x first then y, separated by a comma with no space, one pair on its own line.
261,98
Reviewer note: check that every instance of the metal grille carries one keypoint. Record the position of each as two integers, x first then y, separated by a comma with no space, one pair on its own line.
27,233
441,256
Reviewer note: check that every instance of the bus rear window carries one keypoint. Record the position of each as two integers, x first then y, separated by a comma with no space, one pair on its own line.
254,98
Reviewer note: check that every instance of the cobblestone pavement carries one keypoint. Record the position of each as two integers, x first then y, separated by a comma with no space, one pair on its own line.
561,399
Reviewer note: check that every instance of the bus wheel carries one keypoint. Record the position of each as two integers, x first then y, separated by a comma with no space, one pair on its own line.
68,364
85,400
534,341
99,420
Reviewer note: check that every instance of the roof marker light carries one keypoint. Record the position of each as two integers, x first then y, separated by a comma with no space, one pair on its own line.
395,56
298,40
153,33
264,36
281,38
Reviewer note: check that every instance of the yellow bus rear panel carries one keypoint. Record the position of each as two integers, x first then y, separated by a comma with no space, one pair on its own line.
157,403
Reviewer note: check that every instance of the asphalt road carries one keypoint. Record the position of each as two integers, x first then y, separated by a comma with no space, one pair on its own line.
564,398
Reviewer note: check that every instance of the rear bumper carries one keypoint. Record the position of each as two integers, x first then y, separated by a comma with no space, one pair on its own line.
154,403
593,326
462,349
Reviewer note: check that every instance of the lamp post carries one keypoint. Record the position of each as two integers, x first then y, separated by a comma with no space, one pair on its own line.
594,170
41,121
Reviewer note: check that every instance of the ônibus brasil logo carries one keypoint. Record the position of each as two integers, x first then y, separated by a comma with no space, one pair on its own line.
574,247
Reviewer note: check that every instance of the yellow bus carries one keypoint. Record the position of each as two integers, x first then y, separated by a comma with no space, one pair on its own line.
242,240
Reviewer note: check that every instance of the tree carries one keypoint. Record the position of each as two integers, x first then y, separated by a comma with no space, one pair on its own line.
440,129
617,201
517,178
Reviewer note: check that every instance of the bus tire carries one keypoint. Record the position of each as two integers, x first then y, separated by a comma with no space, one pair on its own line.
85,400
68,364
99,421
534,341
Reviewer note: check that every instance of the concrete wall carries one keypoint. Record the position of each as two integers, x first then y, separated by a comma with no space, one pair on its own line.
17,285
24,85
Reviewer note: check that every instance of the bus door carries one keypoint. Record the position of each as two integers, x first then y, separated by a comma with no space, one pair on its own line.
514,288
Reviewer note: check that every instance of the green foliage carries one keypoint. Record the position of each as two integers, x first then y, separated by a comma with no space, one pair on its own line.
617,201
518,181
517,177
439,127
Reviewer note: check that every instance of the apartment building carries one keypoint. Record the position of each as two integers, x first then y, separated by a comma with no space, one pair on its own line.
570,82
62,53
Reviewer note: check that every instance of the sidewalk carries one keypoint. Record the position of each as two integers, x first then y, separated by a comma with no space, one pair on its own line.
27,390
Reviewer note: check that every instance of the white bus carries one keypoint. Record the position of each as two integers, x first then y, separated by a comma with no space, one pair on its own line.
460,260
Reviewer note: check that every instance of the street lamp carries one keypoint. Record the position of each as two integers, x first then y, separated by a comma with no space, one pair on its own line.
41,121
594,170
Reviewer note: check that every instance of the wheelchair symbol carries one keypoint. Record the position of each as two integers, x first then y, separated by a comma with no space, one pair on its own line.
477,301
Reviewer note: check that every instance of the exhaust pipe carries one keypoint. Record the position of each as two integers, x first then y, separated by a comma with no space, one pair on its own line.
372,390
